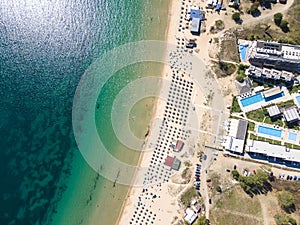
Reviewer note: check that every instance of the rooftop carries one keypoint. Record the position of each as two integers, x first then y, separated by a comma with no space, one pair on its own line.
277,151
290,114
274,111
272,92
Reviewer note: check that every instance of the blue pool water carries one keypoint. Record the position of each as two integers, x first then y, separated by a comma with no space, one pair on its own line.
269,131
298,99
243,51
281,94
292,136
252,100
259,97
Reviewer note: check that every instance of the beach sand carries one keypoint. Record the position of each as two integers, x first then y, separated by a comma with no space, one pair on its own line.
164,208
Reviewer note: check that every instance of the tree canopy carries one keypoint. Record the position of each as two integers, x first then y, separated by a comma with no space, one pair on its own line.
286,200
236,17
278,18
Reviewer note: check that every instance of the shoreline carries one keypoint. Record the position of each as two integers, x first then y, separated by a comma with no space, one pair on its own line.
155,114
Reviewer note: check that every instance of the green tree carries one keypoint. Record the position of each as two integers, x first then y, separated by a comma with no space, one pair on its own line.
284,25
240,78
202,221
254,8
278,18
235,174
236,17
283,219
286,200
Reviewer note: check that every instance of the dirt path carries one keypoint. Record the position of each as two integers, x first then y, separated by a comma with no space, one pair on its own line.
264,209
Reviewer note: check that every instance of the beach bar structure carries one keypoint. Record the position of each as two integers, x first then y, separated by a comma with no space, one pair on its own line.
235,140
275,55
190,216
171,162
195,28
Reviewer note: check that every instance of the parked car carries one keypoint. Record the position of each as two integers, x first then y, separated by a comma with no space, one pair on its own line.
228,170
295,177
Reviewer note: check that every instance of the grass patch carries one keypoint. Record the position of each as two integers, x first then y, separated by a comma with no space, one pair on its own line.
287,103
187,196
271,141
219,25
278,122
229,50
251,126
289,145
223,69
235,107
225,218
236,200
294,89
257,115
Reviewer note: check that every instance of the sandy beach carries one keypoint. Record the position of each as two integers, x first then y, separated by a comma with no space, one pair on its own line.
157,201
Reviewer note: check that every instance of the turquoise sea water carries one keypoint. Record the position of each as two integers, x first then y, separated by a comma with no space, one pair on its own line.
45,47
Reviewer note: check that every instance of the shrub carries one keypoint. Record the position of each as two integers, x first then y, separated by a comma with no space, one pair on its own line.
278,18
283,219
284,25
286,200
236,17
235,174
240,78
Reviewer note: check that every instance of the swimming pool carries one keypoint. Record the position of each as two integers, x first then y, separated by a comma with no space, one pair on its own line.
269,131
243,52
279,95
252,100
298,99
292,136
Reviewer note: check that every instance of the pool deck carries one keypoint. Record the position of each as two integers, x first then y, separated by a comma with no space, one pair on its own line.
284,137
294,96
261,104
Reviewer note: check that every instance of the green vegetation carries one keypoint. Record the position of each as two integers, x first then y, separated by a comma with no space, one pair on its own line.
223,69
187,163
278,121
241,72
236,17
219,24
264,31
187,196
254,9
283,219
278,18
294,89
286,201
235,107
240,78
255,184
202,221
289,145
229,50
251,126
235,174
287,103
271,141
284,26
257,115
236,200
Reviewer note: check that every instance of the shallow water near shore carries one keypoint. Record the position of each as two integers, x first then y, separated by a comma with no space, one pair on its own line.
45,48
